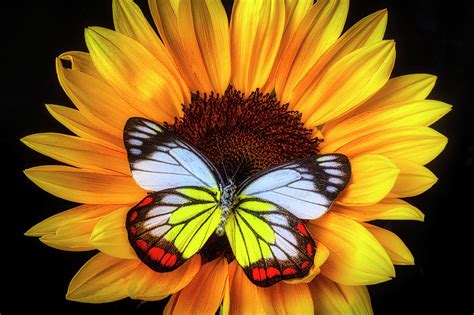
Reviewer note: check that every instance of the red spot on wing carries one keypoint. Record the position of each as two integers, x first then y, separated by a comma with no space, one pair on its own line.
171,261
156,253
133,230
263,274
133,216
289,271
309,249
165,259
304,264
255,274
145,201
272,272
142,244
302,229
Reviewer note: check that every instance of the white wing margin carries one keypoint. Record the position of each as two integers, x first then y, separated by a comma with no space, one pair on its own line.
160,160
306,188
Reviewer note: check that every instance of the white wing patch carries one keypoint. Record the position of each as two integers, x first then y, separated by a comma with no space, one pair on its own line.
160,160
305,188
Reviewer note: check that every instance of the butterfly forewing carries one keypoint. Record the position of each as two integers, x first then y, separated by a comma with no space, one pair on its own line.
269,243
306,188
168,227
160,160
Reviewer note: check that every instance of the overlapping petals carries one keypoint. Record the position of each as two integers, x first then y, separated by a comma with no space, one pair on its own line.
339,83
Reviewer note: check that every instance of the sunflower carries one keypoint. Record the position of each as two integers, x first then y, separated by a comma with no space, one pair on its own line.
277,83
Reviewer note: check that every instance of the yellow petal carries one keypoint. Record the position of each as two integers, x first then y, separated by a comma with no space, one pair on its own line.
416,144
406,88
79,152
70,230
205,292
367,31
333,298
356,257
387,209
242,291
102,279
71,216
394,246
256,29
295,11
372,178
129,20
346,83
290,298
83,186
73,120
319,29
197,35
146,284
79,61
96,100
280,298
205,24
135,74
322,254
414,113
72,236
413,180
110,235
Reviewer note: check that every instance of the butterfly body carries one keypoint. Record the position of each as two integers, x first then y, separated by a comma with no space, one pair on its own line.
262,218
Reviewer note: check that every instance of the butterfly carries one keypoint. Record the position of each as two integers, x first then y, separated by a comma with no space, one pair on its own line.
189,201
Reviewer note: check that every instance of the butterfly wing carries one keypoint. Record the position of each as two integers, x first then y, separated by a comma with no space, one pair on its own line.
266,230
160,160
168,227
269,243
306,188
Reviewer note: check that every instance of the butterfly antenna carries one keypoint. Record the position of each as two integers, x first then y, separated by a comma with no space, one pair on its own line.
222,159
238,168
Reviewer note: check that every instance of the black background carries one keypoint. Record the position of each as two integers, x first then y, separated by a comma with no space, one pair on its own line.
431,36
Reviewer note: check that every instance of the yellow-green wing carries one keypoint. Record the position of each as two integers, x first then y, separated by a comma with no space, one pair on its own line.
168,227
268,242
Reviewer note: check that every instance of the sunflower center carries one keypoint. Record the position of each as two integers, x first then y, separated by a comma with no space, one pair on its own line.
242,136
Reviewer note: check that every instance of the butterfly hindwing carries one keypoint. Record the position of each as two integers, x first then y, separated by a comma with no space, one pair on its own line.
160,160
306,188
268,242
168,227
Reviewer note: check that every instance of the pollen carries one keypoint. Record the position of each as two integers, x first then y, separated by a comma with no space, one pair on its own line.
243,135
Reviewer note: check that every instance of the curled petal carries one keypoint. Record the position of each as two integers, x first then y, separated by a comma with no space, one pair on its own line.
356,257
96,100
330,297
372,178
110,235
102,279
85,186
